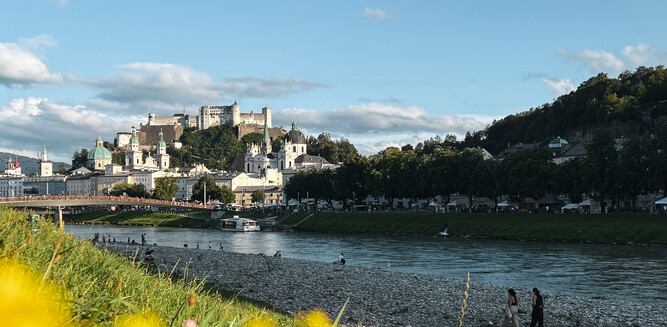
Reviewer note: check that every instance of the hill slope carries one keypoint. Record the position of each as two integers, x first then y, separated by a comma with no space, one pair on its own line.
627,105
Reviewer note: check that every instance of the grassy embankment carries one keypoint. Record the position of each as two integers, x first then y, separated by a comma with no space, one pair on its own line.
621,228
144,218
50,278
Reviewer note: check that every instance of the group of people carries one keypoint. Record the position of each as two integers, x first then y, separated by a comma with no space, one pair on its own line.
209,246
512,309
105,238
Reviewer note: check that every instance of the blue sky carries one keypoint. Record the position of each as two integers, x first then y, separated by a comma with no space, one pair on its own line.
379,73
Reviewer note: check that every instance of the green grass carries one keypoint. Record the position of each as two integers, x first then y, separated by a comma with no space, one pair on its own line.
142,218
621,228
101,286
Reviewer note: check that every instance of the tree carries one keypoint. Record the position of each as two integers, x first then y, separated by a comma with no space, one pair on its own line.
227,195
130,190
602,161
213,191
118,157
352,179
257,196
165,188
79,159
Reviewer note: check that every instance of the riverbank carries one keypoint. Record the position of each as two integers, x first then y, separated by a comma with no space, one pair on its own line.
585,228
50,278
384,298
144,218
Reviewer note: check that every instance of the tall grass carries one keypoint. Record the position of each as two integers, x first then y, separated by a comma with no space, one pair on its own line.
103,289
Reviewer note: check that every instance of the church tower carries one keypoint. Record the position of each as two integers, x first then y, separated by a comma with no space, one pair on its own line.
133,157
161,155
44,166
266,140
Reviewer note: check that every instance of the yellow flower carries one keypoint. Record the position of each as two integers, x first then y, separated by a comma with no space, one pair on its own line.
260,322
24,303
144,319
313,318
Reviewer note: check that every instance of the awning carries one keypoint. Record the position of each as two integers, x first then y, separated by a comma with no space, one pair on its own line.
506,204
571,206
661,201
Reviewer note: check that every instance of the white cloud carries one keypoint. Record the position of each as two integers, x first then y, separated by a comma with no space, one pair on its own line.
558,86
31,122
36,45
595,60
644,55
377,14
164,87
18,66
373,126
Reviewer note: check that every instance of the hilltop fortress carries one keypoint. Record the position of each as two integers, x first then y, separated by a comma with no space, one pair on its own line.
208,116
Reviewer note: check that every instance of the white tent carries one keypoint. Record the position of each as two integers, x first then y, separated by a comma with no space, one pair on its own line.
661,201
433,204
292,202
506,204
571,206
454,203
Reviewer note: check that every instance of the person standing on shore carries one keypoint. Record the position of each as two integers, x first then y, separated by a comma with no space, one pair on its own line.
537,316
221,248
341,258
512,309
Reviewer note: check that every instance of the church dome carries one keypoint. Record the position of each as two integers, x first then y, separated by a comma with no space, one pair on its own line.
295,136
99,152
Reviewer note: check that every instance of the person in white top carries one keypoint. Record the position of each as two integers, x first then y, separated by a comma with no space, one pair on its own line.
341,258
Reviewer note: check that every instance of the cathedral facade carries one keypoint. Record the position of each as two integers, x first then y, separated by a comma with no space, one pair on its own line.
260,156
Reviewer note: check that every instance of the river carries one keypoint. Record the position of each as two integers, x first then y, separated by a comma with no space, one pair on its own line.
630,273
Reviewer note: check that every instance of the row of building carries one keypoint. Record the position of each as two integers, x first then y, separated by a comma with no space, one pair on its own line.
262,169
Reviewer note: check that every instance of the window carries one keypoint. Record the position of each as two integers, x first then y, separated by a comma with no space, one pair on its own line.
294,149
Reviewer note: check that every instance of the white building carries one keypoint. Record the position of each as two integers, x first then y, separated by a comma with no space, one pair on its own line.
11,186
44,165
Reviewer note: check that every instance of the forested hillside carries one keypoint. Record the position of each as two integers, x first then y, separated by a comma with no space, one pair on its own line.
627,105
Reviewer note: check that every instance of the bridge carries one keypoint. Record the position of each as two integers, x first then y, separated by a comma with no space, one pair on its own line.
61,201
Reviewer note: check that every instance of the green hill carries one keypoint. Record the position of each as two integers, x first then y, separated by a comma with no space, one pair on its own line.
627,105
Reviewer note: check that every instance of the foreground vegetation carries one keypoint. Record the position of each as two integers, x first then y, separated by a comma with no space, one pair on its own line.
611,228
50,278
148,218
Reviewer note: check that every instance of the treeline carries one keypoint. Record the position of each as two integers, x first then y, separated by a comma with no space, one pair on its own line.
609,171
627,105
218,146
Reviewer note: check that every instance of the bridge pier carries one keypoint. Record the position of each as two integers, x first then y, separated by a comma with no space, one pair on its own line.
61,224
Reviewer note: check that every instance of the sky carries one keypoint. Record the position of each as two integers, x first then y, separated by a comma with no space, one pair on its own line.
378,73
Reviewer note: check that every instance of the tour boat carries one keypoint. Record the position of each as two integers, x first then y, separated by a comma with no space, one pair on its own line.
237,224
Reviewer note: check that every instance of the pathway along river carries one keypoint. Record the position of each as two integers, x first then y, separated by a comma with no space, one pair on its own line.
630,273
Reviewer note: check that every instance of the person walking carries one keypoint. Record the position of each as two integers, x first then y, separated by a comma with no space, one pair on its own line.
537,316
511,309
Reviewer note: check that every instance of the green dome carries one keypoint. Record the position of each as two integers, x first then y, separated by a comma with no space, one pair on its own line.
99,152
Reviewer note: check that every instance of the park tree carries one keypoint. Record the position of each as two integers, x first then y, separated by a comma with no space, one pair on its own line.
131,190
257,196
165,188
351,180
226,195
213,191
602,161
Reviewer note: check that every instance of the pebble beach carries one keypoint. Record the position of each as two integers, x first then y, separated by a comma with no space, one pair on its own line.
379,297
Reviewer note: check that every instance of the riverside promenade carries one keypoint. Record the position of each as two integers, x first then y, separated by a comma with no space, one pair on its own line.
385,298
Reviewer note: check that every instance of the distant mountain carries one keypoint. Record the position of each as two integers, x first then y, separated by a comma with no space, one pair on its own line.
28,165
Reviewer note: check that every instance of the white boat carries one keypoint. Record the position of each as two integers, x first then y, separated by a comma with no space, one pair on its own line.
237,224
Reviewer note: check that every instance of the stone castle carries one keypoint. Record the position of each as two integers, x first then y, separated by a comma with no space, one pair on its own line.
208,116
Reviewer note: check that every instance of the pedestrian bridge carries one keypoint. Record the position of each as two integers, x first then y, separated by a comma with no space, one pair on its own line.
61,201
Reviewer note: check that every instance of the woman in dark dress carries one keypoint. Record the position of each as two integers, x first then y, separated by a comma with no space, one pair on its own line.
537,317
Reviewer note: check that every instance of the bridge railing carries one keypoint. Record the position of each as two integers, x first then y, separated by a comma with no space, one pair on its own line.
109,198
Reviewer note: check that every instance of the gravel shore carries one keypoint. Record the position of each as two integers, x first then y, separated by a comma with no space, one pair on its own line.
379,297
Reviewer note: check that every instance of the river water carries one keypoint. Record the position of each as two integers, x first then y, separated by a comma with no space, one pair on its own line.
631,273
